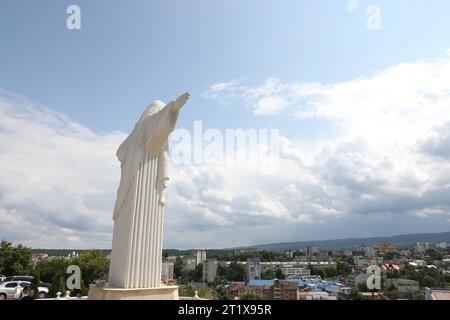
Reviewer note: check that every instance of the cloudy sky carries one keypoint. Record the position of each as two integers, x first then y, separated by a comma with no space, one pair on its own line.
359,90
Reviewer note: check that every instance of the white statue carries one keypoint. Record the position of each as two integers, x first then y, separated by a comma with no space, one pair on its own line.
139,209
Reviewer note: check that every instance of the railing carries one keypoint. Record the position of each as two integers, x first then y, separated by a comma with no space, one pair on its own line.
68,297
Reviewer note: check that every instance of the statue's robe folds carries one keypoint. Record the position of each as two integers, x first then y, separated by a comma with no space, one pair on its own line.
139,209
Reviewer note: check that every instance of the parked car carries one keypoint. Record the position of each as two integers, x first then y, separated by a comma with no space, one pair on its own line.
2,278
27,278
8,289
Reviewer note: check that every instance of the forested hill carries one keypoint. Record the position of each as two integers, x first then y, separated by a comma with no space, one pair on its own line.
406,240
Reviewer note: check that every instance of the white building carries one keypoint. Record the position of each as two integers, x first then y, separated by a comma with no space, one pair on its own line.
403,285
290,254
295,273
356,279
360,261
422,247
273,265
201,256
209,270
36,257
167,271
171,258
311,250
320,296
405,252
189,263
369,251
441,245
418,263
253,269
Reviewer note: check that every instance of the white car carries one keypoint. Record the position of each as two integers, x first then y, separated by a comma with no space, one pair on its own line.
8,289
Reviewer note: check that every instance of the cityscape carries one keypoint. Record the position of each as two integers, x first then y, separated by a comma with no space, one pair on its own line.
419,272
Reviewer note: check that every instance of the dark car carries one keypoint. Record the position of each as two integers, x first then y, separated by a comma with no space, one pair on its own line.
27,278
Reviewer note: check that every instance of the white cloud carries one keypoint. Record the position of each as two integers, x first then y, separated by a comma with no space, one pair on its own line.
397,105
55,175
437,143
389,149
216,91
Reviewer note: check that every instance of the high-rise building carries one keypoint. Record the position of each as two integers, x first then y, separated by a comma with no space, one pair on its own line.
422,247
201,256
189,263
253,269
311,250
167,271
290,254
209,270
369,251
441,245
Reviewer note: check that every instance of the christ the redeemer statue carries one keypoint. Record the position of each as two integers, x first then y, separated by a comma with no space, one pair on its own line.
139,209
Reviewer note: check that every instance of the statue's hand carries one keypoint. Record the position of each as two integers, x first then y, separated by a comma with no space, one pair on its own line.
180,102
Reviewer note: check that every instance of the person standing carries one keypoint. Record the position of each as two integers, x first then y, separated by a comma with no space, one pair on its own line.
24,293
29,296
18,293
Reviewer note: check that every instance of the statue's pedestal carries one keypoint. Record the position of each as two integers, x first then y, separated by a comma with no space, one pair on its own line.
161,293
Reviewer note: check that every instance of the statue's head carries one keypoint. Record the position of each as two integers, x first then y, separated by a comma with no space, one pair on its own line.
153,108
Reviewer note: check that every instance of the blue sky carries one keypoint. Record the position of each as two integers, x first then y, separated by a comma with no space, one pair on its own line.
129,53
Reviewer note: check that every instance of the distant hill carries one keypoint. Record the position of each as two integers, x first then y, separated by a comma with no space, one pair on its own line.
65,252
406,241
403,241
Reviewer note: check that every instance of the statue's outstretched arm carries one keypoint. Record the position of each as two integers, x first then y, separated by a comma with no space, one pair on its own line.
180,102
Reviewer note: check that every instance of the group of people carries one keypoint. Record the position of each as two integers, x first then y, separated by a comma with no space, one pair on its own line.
24,293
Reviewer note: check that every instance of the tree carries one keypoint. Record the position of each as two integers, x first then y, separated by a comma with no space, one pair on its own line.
343,268
394,274
355,295
268,275
36,282
204,292
251,296
279,275
233,272
207,293
14,260
221,291
323,272
198,272
389,256
178,268
429,281
192,275
53,272
362,287
93,265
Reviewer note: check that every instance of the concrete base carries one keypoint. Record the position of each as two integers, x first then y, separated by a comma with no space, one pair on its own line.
161,293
